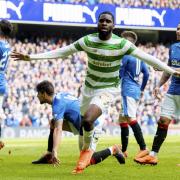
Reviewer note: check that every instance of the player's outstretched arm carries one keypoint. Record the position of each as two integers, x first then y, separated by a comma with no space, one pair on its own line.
57,53
151,60
20,56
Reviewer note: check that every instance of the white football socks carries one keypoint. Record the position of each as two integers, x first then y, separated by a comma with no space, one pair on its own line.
87,139
111,149
80,142
152,153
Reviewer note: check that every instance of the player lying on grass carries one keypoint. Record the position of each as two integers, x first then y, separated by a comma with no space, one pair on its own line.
66,116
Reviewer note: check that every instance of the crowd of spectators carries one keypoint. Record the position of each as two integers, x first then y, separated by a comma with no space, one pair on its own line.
125,3
21,105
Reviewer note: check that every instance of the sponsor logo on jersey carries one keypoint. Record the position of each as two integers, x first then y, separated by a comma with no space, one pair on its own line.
175,62
101,64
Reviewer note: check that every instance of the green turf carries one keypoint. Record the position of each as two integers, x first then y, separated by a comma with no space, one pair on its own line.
17,164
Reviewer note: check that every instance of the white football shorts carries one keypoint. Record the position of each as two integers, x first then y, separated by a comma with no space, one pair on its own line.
129,107
170,106
100,97
1,101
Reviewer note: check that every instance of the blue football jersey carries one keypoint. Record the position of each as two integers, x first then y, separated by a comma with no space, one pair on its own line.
65,106
4,56
174,61
130,70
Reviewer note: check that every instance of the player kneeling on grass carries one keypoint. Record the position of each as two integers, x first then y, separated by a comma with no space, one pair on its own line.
66,116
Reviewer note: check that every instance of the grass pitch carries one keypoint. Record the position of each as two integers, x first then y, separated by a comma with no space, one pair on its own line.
16,157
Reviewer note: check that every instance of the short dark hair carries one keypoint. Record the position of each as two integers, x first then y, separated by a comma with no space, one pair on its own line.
131,34
106,12
45,86
6,28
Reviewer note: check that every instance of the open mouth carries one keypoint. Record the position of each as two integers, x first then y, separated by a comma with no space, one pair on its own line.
104,29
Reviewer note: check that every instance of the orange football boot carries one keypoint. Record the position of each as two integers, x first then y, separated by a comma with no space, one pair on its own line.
153,160
83,162
141,154
118,153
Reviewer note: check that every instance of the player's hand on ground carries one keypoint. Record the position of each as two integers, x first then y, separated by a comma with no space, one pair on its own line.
20,56
157,93
1,144
54,159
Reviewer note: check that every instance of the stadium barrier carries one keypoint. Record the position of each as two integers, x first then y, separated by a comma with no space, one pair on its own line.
43,132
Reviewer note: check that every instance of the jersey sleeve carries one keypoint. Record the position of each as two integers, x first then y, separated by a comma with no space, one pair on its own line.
152,61
130,47
58,111
59,52
145,72
78,45
1,53
123,66
169,59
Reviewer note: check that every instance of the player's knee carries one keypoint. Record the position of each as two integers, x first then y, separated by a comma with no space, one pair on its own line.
163,123
129,119
87,123
164,120
87,119
122,119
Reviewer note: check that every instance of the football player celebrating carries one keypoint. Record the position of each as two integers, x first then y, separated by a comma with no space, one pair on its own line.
105,51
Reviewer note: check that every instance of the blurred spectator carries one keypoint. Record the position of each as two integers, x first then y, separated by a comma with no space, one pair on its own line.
124,3
11,121
34,117
25,121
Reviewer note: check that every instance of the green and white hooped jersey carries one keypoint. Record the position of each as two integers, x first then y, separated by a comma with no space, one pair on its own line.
104,58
